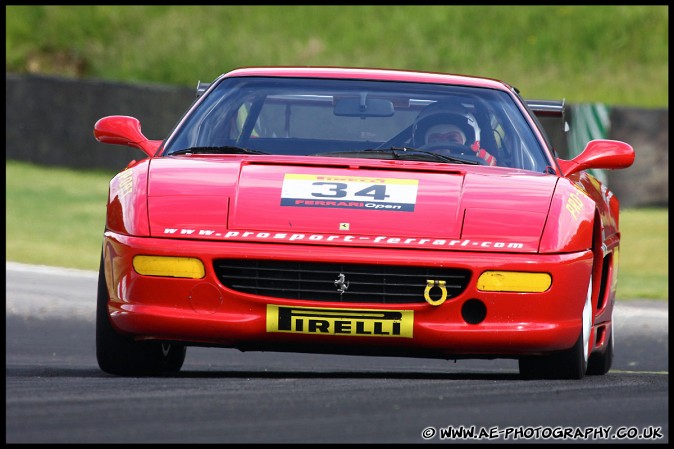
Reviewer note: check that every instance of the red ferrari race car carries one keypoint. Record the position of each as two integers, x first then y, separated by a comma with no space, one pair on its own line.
364,212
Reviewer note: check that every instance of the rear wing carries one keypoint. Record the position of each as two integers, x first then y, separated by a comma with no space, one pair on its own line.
552,115
202,87
547,108
550,109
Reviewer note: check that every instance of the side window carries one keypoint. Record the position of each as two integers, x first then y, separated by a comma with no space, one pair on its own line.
274,120
239,119
498,132
501,143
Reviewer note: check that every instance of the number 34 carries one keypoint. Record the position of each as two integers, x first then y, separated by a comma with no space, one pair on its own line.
341,190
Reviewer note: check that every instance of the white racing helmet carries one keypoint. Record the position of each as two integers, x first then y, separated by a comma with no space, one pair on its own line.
440,113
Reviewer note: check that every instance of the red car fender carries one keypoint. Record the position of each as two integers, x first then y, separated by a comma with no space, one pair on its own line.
127,201
574,213
607,205
606,246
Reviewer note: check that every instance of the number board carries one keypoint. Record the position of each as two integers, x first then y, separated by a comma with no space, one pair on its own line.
348,192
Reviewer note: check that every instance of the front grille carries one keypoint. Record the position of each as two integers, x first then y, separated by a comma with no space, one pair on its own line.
384,284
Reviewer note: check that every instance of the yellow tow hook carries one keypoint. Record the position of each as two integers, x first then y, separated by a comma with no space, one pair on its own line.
430,283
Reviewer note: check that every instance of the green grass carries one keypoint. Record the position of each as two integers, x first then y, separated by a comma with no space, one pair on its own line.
644,254
56,216
615,54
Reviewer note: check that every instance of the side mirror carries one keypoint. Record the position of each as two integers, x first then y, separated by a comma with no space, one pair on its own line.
600,154
124,130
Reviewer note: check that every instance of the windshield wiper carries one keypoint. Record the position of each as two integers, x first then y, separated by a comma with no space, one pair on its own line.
217,150
407,152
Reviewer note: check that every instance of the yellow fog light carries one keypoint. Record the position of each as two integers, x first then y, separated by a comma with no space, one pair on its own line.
514,281
177,267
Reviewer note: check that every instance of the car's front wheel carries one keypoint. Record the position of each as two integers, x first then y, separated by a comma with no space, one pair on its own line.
122,355
569,364
600,363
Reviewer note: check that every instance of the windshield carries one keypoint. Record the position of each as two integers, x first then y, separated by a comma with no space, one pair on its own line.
357,118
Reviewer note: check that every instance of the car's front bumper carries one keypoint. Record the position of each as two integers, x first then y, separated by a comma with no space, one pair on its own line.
204,312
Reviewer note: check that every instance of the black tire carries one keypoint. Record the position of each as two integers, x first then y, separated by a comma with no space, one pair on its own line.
600,363
121,355
568,364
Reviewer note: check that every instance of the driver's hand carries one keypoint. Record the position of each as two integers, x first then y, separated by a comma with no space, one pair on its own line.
482,153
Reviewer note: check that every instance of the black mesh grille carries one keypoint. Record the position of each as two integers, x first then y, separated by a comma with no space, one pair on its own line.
384,284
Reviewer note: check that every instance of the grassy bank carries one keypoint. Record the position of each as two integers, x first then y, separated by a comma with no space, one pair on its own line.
613,54
56,217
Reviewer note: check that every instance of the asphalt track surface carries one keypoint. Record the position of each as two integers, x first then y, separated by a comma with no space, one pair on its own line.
55,392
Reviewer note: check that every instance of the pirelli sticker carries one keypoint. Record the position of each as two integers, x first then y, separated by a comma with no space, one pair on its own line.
320,321
349,192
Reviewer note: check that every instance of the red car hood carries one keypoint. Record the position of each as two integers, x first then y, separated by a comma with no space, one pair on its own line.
348,202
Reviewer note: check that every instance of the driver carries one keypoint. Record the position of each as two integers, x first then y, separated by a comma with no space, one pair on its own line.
435,126
445,132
